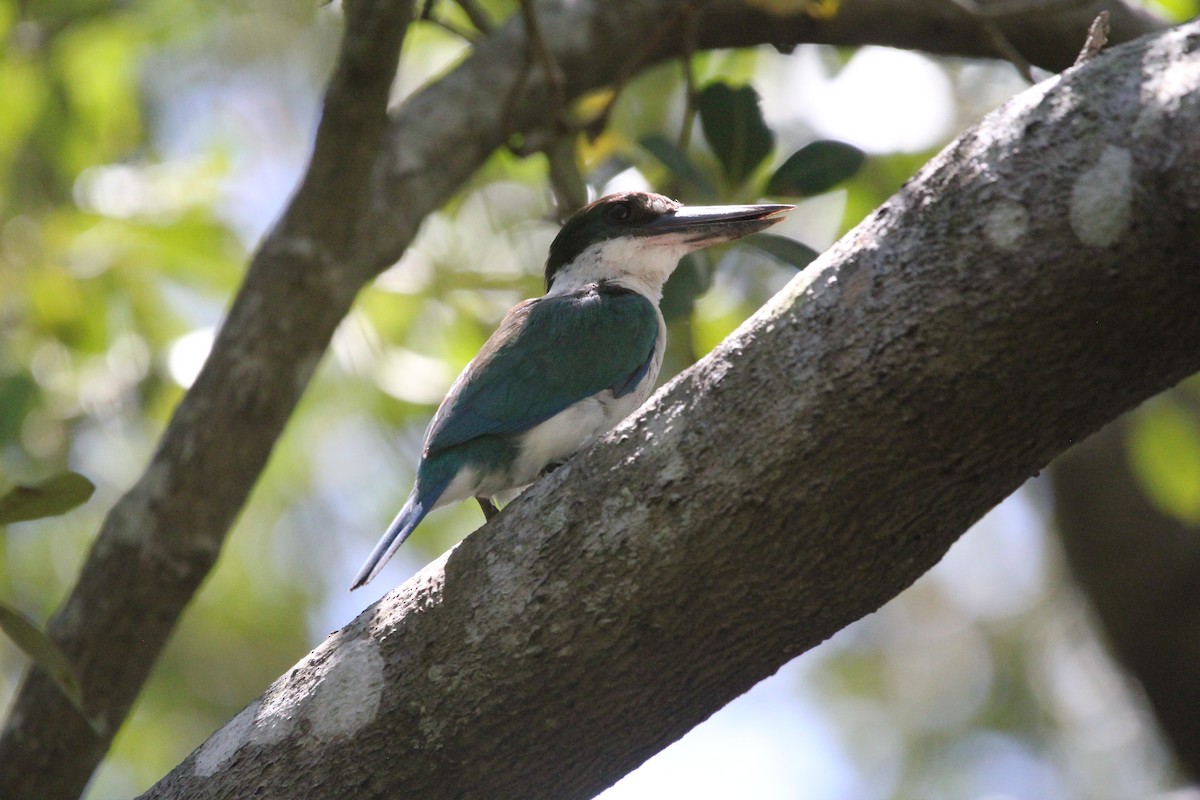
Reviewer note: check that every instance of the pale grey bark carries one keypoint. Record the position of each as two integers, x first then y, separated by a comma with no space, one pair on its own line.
1037,279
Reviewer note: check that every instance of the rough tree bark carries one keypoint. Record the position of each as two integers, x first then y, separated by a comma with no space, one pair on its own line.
1038,278
386,172
1141,570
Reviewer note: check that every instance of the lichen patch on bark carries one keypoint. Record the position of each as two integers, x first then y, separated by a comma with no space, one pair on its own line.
1006,224
1102,199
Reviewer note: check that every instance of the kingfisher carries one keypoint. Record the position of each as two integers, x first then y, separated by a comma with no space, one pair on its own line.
564,368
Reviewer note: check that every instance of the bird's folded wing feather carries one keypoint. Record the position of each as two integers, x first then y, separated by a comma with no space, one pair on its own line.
548,354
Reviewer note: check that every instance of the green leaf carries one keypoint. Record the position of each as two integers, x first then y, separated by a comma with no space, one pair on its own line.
816,168
734,127
678,163
1164,449
52,497
45,653
789,251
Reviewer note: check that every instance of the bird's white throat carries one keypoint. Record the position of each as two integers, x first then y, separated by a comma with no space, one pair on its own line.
639,263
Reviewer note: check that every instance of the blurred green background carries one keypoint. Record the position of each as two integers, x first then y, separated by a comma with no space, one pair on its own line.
145,147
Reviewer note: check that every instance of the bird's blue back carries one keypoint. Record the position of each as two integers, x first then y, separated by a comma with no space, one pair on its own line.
548,354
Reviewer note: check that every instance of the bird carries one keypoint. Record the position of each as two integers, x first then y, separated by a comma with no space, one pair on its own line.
564,368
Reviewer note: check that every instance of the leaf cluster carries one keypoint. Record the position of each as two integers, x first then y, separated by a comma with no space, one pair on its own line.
50,498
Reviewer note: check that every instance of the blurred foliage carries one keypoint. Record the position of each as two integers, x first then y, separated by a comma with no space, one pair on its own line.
818,9
112,245
42,650
737,136
49,498
144,147
1164,449
1178,10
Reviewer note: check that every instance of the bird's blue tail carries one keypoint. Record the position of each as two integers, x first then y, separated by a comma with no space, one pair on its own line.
415,508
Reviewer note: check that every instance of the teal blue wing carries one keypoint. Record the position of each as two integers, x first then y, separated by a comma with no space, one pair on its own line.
548,354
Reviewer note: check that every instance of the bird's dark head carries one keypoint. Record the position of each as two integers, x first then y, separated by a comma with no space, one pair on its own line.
637,238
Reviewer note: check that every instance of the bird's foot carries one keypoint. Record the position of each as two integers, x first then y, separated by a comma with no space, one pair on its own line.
553,465
489,508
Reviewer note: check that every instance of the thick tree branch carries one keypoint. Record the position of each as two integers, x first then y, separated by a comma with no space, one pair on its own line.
1038,278
367,189
1141,572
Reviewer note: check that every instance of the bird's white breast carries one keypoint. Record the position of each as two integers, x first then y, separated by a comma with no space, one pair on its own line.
570,430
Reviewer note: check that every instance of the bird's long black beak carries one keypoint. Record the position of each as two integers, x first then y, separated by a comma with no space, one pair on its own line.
708,224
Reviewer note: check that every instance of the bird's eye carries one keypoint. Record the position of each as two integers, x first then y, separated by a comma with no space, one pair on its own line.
619,212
